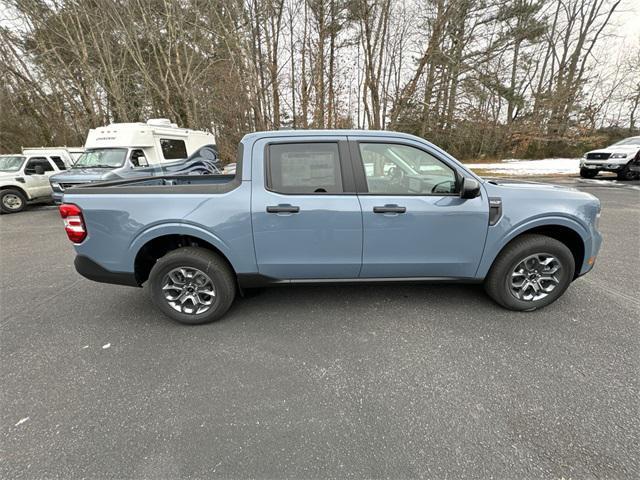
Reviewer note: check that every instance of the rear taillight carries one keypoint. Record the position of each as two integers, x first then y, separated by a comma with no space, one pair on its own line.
73,222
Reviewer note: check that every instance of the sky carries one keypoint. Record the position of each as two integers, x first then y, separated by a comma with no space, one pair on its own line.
629,20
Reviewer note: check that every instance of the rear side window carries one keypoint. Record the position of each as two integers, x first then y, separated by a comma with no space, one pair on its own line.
173,149
304,168
59,163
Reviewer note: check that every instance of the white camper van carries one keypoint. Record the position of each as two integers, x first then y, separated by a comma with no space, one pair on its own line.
123,150
158,141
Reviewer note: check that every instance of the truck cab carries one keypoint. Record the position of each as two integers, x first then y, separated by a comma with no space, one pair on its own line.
130,150
25,177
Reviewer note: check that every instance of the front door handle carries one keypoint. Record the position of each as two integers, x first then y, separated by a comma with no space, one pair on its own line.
283,209
389,209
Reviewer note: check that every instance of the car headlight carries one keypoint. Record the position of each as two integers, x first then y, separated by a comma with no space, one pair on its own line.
55,185
618,155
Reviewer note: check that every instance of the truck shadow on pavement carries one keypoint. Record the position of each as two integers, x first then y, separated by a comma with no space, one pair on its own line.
351,306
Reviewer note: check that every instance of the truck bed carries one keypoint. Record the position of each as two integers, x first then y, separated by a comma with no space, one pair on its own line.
161,184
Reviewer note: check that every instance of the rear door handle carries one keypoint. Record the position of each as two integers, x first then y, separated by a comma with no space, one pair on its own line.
389,209
283,209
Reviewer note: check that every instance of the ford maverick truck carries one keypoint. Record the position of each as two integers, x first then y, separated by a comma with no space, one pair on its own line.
330,207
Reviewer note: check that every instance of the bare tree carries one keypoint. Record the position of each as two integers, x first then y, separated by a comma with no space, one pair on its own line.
479,78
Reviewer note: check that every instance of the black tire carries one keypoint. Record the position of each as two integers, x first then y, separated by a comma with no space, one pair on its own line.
627,174
11,197
498,281
194,258
587,173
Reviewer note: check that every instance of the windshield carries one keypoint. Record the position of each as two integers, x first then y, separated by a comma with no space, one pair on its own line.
11,163
629,141
102,158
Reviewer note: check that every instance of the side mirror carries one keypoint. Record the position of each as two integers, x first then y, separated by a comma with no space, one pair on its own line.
39,169
470,188
142,161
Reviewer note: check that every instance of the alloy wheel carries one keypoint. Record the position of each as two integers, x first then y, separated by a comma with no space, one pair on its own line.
188,290
535,277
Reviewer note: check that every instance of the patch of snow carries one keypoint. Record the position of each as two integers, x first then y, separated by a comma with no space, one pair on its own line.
598,182
547,166
21,421
104,347
609,183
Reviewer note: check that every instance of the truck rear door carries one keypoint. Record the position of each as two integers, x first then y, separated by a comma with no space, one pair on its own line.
307,221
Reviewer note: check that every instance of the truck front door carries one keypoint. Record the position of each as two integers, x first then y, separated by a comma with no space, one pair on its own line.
37,171
415,223
307,222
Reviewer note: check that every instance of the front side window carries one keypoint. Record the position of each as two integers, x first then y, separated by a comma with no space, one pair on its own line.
304,168
11,163
173,149
138,159
395,169
31,166
102,158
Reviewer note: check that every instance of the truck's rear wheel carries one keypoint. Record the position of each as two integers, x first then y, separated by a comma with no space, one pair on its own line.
12,201
530,273
192,285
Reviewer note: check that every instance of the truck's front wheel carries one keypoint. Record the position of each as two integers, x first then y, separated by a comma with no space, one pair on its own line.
192,285
530,273
12,201
586,173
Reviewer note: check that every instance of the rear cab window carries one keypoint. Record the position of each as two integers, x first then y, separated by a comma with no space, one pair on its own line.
59,163
304,168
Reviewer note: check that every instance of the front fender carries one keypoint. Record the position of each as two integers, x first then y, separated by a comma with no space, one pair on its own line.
503,232
12,184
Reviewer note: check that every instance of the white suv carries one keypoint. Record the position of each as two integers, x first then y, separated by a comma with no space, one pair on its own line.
621,158
25,178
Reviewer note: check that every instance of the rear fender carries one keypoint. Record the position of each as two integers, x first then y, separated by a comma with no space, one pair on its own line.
178,229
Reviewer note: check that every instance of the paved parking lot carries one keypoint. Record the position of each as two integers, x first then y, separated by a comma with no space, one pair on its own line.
331,382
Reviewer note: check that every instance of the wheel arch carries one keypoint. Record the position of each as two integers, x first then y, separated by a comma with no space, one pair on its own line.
16,187
155,248
565,235
564,231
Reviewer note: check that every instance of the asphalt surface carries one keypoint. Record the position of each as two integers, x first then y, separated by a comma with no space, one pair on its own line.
319,382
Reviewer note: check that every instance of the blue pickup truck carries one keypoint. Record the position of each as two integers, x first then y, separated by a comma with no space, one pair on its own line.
330,207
